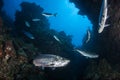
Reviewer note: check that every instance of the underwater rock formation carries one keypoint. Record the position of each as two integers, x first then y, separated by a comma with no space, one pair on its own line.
14,66
1,23
1,5
25,15
107,43
44,41
101,71
39,29
90,8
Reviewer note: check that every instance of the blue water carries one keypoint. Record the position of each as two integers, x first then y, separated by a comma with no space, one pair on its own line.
67,19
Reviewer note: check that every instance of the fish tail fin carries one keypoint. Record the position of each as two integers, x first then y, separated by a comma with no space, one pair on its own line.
55,14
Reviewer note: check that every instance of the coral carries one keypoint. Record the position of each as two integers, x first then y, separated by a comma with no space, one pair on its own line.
1,51
14,66
101,71
1,23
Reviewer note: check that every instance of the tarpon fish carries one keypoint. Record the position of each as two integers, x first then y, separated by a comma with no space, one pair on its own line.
86,54
28,34
103,16
36,19
88,36
49,14
27,23
50,60
57,39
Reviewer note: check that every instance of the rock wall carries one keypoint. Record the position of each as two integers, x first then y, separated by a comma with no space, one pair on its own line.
1,4
107,43
90,8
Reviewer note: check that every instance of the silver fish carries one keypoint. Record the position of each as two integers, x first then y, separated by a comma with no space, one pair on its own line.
88,36
28,34
50,60
49,14
36,19
57,39
103,16
27,23
86,54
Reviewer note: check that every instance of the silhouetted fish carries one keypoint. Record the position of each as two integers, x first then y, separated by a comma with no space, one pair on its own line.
103,16
86,54
57,39
27,23
49,14
1,22
28,34
36,19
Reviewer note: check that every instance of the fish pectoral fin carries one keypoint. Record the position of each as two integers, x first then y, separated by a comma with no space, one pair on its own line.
107,25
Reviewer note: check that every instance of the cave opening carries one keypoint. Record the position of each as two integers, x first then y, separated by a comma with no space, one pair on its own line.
67,19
